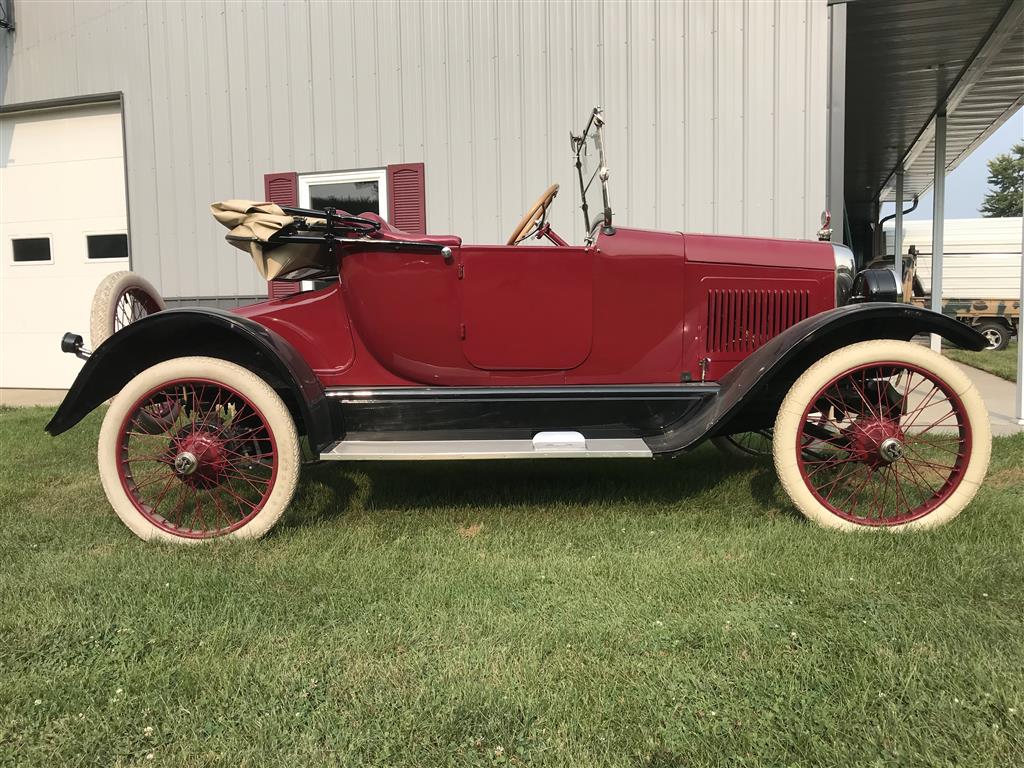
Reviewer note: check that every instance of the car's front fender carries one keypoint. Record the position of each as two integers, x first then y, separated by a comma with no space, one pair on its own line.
750,393
203,332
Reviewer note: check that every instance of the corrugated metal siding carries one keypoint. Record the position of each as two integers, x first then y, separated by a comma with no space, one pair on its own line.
716,109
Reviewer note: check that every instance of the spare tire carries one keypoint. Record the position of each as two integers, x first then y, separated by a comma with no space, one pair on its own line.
121,299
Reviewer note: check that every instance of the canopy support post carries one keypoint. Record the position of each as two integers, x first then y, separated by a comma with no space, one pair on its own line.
1020,348
897,235
938,219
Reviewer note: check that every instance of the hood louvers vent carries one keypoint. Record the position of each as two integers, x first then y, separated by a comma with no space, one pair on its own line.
742,319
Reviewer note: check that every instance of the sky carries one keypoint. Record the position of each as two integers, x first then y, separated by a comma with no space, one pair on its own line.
966,186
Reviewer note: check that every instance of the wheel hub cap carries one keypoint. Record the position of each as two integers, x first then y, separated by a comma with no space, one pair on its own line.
877,442
201,459
890,450
185,463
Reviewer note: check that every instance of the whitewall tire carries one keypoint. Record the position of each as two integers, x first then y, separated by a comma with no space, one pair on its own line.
120,299
197,448
882,434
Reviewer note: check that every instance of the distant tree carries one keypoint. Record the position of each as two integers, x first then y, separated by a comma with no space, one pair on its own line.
1006,177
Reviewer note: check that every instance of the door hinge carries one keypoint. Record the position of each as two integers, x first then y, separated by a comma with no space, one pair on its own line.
461,271
462,331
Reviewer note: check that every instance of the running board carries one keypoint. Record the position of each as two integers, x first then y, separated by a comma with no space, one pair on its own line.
545,445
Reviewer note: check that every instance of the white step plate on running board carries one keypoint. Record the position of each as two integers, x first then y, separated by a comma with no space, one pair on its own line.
545,445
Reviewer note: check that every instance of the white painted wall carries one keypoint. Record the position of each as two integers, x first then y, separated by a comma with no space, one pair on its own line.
62,177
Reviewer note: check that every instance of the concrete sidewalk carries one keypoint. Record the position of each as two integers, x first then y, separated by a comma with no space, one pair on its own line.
1000,396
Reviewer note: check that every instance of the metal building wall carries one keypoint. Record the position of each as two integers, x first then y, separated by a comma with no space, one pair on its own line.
716,110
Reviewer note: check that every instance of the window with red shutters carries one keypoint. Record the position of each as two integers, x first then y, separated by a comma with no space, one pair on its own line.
283,189
406,197
407,202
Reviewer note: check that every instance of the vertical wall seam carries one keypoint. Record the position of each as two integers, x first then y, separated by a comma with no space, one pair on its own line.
745,117
806,132
715,115
471,105
447,100
355,82
499,186
172,182
289,69
423,101
190,137
401,87
522,116
266,47
656,124
775,116
376,80
313,154
211,166
152,138
233,263
629,113
686,118
334,97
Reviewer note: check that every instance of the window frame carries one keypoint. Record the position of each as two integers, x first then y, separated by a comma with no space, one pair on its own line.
119,260
380,175
48,236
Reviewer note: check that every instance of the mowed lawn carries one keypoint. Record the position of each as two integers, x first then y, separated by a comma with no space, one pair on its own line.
1002,363
545,614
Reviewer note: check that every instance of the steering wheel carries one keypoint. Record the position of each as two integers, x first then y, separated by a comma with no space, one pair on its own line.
533,214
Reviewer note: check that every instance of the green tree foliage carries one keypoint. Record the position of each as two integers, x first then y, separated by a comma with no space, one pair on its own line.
1006,178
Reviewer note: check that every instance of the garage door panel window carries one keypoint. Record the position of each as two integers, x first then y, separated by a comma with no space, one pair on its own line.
31,250
111,246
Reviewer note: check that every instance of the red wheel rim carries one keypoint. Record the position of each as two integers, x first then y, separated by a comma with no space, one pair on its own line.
133,304
197,458
884,444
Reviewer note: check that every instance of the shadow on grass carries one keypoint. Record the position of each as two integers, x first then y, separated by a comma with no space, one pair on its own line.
330,490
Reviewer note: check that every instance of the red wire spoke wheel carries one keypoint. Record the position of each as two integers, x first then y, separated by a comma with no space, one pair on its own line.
121,299
131,305
882,434
196,449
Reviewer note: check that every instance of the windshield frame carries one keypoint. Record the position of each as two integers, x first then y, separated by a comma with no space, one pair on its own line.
594,129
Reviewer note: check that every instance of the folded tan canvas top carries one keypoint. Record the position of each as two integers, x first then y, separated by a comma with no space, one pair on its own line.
253,225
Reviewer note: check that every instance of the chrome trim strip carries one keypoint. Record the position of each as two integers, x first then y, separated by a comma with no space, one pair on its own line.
456,450
609,392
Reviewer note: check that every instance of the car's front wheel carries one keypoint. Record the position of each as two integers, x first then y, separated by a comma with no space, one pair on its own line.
882,434
197,448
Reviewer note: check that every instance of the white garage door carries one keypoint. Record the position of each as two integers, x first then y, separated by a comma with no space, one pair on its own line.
63,228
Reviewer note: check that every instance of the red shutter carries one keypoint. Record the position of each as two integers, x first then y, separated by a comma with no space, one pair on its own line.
283,189
407,200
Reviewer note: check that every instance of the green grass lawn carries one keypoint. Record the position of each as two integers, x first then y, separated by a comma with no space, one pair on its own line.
545,614
1002,363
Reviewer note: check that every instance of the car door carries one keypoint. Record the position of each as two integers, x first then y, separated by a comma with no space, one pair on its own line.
526,307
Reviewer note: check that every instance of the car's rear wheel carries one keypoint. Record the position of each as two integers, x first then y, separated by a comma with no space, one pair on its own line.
198,448
121,299
882,434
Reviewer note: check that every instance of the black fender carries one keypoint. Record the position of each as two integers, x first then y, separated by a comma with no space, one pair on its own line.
205,332
749,395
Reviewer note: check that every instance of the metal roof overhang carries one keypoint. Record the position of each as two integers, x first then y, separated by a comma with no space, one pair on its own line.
906,62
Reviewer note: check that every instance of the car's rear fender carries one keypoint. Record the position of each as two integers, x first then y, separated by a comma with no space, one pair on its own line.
203,332
750,394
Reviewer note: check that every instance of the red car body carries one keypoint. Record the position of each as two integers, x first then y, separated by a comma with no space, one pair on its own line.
636,307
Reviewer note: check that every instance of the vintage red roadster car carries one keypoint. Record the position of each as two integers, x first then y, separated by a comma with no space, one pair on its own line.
634,344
